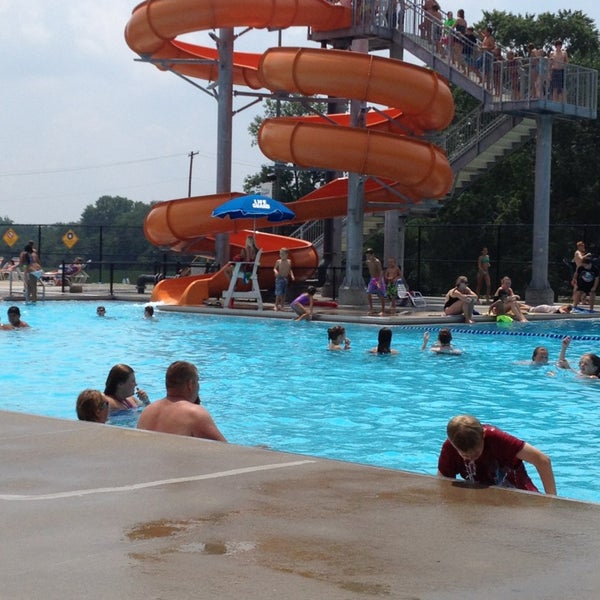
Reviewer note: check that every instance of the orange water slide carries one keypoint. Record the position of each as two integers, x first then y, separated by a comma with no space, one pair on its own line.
407,169
194,290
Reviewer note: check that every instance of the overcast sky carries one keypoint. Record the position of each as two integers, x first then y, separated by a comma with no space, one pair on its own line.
80,118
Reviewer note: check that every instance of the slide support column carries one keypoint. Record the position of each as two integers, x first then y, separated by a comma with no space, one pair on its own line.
224,131
539,290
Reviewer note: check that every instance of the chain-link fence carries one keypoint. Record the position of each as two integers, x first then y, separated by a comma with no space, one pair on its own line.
434,255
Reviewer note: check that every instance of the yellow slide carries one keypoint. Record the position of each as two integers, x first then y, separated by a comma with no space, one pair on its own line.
407,169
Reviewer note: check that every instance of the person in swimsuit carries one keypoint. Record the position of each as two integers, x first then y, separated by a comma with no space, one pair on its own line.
483,274
376,280
180,412
337,338
391,276
384,342
461,300
505,301
92,406
303,304
443,344
120,388
589,363
14,319
282,271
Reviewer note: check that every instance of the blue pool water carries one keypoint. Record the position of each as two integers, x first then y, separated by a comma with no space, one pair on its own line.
272,383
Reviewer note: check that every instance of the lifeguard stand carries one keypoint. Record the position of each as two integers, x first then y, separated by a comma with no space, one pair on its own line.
252,294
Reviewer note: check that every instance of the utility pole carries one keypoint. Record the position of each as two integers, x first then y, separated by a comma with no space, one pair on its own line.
191,155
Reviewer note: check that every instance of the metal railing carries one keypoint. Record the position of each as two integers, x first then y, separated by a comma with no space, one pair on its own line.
508,78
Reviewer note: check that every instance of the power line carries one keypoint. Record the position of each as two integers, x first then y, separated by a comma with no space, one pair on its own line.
88,167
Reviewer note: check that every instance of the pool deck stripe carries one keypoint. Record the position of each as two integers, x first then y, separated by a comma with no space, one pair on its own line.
150,484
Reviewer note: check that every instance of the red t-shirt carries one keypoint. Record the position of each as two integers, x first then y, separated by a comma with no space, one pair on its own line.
497,465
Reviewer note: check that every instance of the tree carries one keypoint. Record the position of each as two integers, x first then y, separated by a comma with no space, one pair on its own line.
290,182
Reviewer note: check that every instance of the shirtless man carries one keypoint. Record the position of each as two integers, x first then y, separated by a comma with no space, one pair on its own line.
179,411
558,61
376,282
14,319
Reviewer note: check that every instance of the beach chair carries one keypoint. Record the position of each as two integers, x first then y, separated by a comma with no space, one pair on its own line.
415,298
238,273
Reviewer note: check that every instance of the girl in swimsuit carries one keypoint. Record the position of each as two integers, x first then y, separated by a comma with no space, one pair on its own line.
483,274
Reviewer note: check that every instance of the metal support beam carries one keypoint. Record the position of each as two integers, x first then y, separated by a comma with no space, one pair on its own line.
539,290
225,129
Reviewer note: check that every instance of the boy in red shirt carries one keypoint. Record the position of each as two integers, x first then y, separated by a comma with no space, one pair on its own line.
485,454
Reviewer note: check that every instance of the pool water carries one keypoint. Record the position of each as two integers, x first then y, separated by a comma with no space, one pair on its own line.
272,383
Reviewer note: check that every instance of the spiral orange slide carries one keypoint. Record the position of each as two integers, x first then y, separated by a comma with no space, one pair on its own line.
403,169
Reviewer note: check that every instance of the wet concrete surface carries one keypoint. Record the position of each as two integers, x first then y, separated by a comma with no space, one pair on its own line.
94,511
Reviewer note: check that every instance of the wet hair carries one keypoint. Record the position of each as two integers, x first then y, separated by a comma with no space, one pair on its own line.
464,432
89,404
179,373
444,337
14,310
537,350
312,290
334,332
384,340
118,374
595,362
149,310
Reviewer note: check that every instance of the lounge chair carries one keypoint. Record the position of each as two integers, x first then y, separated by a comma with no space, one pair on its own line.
74,273
414,297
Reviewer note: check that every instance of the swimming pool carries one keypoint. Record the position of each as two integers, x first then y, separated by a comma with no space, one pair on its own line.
272,383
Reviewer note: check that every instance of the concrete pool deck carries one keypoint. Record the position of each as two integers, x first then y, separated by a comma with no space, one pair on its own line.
94,511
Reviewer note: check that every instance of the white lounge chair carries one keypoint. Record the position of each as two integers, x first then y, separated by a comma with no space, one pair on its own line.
414,297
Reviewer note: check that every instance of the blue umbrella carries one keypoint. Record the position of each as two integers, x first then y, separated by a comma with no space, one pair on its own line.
254,207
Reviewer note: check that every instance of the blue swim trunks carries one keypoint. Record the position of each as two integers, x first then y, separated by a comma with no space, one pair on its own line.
281,284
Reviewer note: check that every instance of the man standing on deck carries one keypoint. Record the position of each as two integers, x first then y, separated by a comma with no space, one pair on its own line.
179,411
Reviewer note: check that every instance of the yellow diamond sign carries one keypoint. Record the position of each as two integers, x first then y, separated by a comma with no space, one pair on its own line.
10,237
70,239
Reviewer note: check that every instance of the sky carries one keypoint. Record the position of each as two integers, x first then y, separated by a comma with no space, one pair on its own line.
80,118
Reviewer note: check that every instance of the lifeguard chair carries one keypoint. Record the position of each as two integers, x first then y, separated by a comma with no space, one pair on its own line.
238,273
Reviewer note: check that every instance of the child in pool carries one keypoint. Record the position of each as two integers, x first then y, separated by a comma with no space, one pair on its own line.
443,344
589,363
384,342
337,338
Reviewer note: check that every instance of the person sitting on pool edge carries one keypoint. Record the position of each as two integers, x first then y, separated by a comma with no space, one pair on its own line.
337,338
120,388
14,319
303,304
461,300
487,455
179,412
384,342
92,405
443,344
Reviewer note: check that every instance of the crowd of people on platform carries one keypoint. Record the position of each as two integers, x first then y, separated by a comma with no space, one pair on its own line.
520,73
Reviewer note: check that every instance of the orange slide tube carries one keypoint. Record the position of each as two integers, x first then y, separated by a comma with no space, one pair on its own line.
407,169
